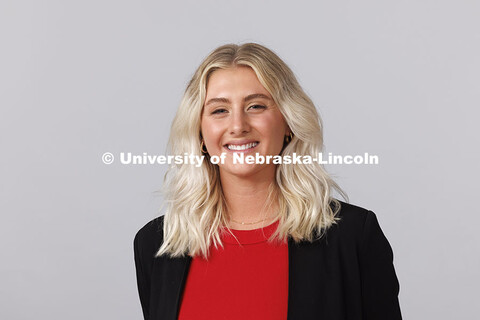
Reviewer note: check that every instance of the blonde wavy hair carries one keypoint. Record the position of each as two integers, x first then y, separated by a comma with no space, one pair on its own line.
195,205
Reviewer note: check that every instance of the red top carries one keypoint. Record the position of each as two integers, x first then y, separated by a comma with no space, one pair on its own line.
241,281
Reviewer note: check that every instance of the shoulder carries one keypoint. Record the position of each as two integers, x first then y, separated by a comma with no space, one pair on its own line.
353,222
358,228
149,238
352,216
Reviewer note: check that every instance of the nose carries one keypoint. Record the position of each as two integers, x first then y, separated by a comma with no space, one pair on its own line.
239,122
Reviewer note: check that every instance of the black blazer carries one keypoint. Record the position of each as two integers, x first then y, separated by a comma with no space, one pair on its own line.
346,275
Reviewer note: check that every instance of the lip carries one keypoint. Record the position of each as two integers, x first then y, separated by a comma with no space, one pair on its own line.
239,143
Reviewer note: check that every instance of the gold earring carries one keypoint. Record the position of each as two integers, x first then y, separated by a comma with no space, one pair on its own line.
203,148
289,138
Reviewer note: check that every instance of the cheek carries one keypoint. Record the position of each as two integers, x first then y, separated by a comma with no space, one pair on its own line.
211,133
276,128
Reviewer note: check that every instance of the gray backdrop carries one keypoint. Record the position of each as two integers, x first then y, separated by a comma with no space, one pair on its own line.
399,79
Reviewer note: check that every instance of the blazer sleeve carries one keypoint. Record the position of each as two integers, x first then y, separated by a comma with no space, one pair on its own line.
143,282
380,285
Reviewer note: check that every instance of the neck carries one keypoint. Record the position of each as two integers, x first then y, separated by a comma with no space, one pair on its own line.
246,200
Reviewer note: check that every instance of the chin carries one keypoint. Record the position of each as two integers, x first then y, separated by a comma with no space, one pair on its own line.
243,171
240,172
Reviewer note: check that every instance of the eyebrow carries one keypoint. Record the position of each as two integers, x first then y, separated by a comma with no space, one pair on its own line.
247,98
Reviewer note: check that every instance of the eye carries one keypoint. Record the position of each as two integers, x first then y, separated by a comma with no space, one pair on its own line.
257,107
219,111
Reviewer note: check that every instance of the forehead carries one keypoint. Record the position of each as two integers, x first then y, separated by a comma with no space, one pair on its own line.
235,81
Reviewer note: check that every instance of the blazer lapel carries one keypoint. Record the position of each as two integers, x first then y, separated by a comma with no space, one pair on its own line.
299,280
173,275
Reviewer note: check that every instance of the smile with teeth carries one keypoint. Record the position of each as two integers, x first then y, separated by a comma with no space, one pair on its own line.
241,146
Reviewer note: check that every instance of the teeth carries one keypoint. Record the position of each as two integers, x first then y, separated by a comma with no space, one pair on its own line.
242,147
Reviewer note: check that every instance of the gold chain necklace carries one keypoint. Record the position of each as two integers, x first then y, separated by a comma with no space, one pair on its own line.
249,223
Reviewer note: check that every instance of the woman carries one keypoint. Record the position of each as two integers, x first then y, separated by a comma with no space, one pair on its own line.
262,240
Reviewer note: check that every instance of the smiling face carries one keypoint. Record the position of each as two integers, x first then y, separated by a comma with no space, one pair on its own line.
240,115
